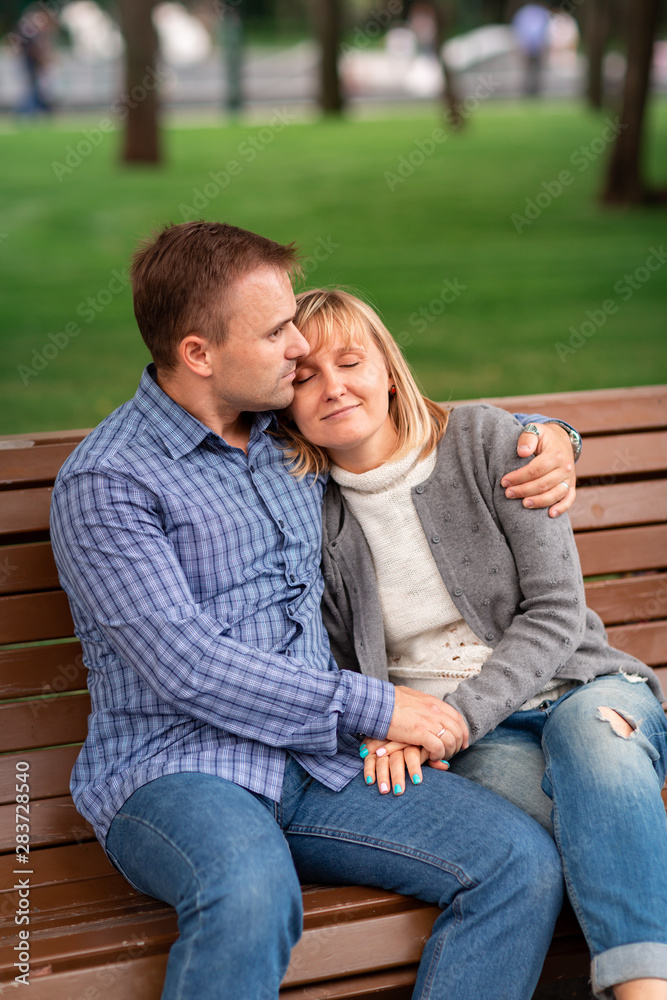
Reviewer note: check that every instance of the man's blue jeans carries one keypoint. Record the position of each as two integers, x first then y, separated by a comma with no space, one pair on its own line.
565,764
229,861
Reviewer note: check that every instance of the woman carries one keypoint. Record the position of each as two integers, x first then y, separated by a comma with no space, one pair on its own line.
437,581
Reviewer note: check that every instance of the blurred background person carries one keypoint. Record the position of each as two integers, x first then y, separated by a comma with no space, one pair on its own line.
34,36
531,30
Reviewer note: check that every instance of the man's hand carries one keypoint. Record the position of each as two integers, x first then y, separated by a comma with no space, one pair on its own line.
420,719
542,482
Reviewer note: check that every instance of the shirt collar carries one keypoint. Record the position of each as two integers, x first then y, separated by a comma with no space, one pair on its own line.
178,429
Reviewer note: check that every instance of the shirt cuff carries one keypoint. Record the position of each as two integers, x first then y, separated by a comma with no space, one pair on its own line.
369,705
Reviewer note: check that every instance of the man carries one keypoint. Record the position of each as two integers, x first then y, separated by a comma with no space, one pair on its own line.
222,761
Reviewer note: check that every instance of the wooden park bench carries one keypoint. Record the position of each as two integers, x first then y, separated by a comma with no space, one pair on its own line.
93,937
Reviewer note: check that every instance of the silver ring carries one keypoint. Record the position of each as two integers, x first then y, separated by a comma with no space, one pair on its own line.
443,730
531,429
566,485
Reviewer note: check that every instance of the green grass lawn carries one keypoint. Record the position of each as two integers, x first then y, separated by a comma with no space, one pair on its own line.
512,296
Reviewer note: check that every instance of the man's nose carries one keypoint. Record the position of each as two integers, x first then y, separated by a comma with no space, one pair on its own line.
299,346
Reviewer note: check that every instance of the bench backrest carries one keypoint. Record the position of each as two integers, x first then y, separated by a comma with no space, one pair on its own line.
620,519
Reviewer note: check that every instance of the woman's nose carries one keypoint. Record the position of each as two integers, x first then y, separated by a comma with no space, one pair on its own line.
333,385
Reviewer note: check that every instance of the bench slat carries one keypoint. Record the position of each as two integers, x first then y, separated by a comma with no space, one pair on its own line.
620,504
29,617
648,641
623,455
44,722
52,821
72,863
25,512
26,568
598,411
50,772
622,549
635,598
37,670
30,466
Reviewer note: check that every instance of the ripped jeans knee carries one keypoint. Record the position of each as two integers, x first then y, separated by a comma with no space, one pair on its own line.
622,724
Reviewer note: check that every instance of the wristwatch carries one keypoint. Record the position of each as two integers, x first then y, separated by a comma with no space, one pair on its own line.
574,436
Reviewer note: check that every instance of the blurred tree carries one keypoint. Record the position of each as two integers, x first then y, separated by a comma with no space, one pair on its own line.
140,99
625,184
329,28
596,16
232,33
444,14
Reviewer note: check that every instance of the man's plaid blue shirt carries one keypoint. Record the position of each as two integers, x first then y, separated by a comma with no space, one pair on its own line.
193,574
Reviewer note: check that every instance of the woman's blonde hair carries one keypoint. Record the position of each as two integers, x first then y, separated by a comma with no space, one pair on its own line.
322,315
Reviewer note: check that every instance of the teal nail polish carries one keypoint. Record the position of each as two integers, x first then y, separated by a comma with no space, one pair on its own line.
397,789
416,779
363,752
445,762
369,780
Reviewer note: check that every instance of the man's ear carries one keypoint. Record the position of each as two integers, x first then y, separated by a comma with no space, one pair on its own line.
194,352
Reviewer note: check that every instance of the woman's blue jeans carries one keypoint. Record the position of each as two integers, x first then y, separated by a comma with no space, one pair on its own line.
566,765
229,861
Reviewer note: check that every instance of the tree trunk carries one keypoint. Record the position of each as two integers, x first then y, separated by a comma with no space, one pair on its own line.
451,95
329,31
625,183
139,103
596,33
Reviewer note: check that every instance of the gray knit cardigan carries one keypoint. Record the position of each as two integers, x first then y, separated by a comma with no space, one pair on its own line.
512,572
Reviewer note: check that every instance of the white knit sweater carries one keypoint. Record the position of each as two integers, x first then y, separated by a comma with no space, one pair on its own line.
429,645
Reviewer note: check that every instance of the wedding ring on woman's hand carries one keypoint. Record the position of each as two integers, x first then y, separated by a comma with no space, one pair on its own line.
443,730
566,485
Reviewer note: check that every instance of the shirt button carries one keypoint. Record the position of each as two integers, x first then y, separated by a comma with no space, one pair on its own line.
292,577
281,523
458,592
252,468
435,539
489,636
419,489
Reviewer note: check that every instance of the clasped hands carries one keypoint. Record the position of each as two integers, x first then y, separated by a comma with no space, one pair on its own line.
422,728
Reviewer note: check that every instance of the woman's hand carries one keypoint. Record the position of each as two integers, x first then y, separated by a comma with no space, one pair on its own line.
541,483
389,770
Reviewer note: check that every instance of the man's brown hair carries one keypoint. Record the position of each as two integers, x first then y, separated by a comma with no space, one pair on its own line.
181,277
